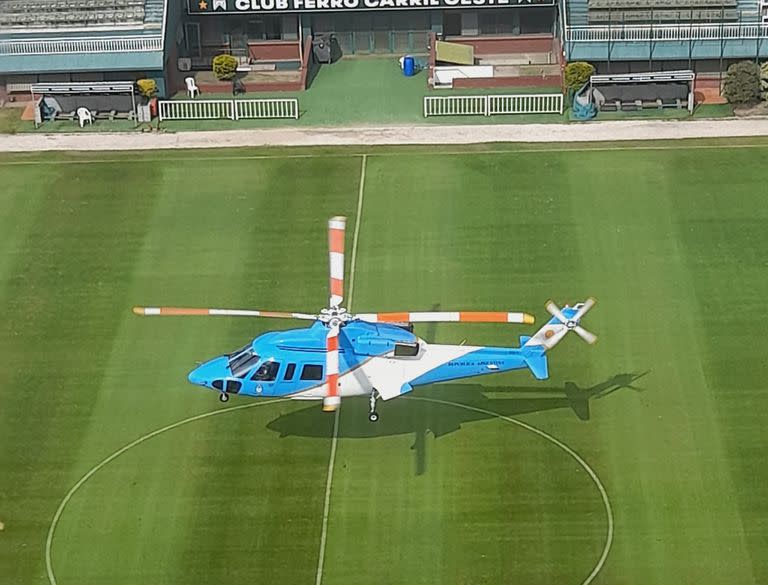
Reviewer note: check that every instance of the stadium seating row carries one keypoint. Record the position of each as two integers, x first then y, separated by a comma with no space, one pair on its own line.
597,16
661,4
29,19
66,5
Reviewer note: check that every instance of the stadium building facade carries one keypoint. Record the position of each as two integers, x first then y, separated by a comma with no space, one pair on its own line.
102,40
625,36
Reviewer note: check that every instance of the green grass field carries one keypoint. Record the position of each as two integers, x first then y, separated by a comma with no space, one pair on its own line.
670,238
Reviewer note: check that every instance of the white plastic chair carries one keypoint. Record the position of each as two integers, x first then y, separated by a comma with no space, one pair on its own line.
192,88
84,115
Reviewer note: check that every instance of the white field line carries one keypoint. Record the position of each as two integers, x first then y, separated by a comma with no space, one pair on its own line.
391,135
584,465
335,437
356,237
421,153
115,455
327,502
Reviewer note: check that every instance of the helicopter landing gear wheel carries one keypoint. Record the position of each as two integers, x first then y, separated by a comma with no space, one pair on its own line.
223,397
373,416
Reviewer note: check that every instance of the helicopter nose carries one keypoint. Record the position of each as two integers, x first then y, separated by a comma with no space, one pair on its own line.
197,376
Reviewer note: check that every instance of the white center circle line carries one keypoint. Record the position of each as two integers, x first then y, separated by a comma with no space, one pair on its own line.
115,455
569,451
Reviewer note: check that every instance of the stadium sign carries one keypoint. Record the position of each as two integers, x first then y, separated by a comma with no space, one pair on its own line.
275,6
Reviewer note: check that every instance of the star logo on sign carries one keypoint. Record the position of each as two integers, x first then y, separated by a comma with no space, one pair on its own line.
203,4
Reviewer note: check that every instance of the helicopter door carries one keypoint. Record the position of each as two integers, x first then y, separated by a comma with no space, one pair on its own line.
264,378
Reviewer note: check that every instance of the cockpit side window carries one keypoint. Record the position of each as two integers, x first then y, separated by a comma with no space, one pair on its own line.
406,349
242,362
266,372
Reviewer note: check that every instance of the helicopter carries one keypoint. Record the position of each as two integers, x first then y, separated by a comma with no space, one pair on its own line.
342,354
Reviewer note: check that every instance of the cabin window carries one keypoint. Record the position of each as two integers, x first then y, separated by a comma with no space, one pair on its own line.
266,372
312,372
406,349
289,370
218,384
233,386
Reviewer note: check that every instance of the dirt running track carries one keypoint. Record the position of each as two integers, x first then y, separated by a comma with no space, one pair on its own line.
371,135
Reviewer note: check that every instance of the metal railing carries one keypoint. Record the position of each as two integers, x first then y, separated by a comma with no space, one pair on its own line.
489,105
267,108
228,109
666,32
83,45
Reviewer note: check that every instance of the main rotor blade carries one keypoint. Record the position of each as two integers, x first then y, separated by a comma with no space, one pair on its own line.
332,400
588,304
447,317
336,228
590,338
555,311
185,311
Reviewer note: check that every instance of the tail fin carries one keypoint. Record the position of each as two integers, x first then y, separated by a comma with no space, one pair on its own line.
562,322
536,361
548,336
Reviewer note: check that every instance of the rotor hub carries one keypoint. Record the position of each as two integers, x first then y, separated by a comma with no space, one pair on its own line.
334,316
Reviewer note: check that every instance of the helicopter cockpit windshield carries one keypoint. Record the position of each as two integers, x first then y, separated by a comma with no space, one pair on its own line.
242,360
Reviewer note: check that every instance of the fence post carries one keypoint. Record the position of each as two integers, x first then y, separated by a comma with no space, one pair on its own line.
487,105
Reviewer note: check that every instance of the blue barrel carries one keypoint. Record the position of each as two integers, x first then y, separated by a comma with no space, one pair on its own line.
409,66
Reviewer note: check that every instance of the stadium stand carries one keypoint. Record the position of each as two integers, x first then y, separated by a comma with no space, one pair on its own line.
32,14
662,11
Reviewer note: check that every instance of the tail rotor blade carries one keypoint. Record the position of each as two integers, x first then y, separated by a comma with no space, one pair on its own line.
332,399
590,338
336,229
588,304
555,311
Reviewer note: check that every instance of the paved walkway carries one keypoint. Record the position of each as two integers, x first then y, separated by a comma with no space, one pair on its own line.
370,135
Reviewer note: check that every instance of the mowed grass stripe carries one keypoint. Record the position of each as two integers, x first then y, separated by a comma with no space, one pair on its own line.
648,322
722,234
70,273
236,248
467,507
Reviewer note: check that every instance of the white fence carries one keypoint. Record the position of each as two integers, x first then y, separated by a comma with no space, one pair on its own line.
488,105
666,32
228,109
132,44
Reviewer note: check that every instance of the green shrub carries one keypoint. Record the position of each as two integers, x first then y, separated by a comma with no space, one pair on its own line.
577,74
224,67
742,83
147,87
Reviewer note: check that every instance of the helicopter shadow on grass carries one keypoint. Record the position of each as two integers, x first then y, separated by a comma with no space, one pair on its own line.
420,417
